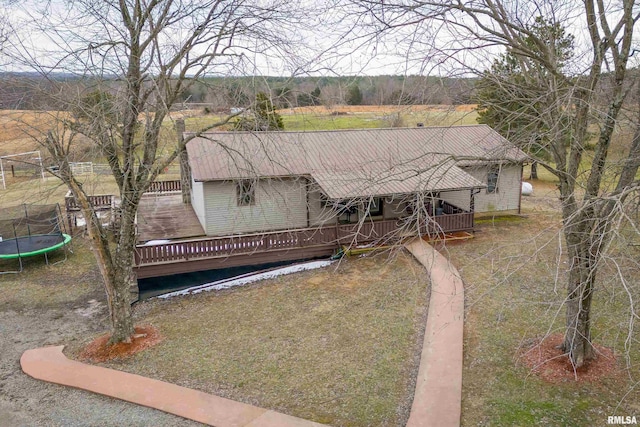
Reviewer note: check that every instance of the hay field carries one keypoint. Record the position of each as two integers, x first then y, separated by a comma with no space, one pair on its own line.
19,130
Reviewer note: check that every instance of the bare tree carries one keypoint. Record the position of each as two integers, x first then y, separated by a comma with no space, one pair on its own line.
460,31
138,57
5,32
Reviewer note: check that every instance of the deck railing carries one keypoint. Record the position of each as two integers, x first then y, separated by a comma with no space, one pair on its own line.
368,231
450,209
102,201
450,223
234,245
165,186
332,235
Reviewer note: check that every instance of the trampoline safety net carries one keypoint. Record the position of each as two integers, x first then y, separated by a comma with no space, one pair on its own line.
29,220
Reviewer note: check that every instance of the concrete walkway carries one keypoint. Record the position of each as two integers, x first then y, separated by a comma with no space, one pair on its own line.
49,364
438,396
438,386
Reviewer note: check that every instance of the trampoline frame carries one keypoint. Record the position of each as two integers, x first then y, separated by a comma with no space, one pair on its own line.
65,243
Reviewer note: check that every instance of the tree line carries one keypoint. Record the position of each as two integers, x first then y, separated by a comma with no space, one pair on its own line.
29,92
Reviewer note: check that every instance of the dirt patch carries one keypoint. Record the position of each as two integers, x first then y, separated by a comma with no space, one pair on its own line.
99,351
546,360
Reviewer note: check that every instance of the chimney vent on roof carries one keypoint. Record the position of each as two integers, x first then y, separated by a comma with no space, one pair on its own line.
420,125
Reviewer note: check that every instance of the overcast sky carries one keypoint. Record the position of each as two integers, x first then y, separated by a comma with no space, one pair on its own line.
329,41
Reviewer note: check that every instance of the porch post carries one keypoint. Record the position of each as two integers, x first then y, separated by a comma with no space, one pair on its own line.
472,202
472,207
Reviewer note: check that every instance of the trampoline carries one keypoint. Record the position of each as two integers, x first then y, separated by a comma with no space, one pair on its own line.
32,245
28,231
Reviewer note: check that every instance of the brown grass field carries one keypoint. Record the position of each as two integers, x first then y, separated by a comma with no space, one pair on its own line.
19,129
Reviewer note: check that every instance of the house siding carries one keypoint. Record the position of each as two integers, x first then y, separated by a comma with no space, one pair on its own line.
394,207
197,202
509,186
458,198
319,215
284,203
279,204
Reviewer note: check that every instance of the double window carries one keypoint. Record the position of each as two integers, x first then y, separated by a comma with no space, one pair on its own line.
246,192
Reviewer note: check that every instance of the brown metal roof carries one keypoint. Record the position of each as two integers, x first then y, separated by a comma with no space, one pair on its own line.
351,163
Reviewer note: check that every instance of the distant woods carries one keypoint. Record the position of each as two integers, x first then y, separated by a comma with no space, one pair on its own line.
25,92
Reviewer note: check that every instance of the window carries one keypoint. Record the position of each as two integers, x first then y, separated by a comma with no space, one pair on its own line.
492,180
324,201
246,192
348,215
375,206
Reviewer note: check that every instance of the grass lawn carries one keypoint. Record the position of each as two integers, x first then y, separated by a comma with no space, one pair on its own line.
41,285
340,346
337,346
376,119
359,117
514,292
51,190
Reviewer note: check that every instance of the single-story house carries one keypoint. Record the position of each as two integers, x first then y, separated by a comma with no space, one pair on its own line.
264,197
250,182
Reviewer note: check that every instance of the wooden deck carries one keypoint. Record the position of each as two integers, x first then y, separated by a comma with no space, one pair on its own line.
210,253
166,217
163,216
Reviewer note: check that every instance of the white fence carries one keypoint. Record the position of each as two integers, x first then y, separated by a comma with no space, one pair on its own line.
79,168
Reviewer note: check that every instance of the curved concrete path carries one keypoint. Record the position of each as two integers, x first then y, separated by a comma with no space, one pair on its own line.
438,396
49,364
438,386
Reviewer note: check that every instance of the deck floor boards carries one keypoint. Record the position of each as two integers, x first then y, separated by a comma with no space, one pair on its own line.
166,217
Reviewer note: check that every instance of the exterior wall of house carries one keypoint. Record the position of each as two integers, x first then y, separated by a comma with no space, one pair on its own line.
507,196
197,202
318,214
394,207
284,203
458,198
279,204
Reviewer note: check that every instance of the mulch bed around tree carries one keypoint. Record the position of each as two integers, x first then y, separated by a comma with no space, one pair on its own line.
99,351
546,360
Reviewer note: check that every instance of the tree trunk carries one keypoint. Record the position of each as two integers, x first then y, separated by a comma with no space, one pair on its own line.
121,318
534,170
577,340
116,274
